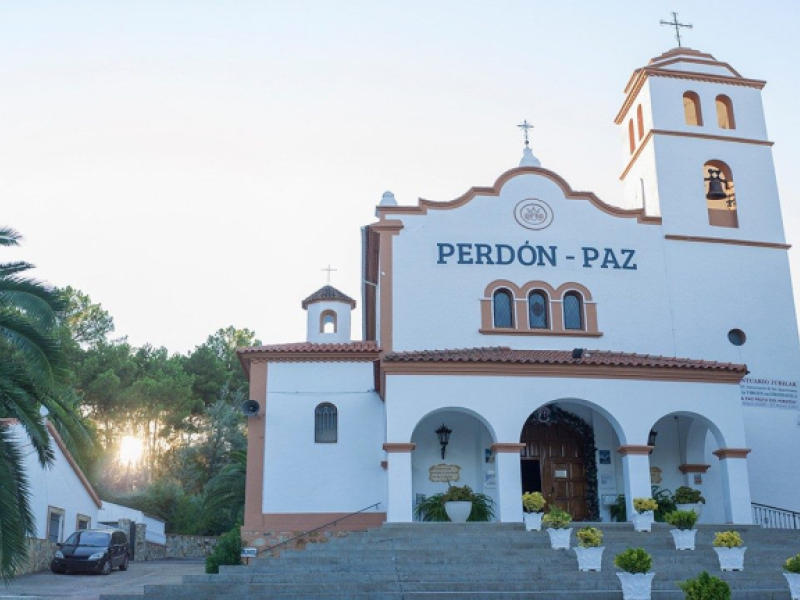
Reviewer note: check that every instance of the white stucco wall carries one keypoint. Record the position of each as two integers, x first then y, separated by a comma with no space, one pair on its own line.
303,476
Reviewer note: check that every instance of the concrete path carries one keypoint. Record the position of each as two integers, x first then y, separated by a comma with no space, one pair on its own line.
49,586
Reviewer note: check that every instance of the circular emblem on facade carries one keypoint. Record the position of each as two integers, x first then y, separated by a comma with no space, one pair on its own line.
533,214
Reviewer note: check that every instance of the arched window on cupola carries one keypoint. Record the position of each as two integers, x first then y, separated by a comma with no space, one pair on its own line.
720,194
725,118
691,109
538,305
640,121
327,322
631,138
503,309
573,311
326,426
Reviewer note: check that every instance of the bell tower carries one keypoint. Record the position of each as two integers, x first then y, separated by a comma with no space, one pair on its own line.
328,316
696,151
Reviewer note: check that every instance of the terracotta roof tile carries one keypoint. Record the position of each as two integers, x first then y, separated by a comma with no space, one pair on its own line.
503,354
328,293
305,347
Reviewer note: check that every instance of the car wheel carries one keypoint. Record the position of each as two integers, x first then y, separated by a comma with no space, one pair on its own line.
57,570
105,569
124,565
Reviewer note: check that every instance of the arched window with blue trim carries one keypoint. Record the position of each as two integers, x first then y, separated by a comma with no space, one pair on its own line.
326,426
503,307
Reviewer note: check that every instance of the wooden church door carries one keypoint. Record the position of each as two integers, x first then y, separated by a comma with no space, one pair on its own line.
553,463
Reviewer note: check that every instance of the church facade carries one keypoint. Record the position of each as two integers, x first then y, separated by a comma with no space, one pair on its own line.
567,345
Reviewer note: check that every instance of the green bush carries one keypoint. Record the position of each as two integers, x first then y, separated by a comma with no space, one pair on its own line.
644,504
557,518
727,539
533,502
705,587
227,552
634,560
459,494
590,537
619,510
687,495
792,565
682,519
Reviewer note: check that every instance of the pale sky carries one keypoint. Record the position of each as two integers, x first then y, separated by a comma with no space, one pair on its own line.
194,164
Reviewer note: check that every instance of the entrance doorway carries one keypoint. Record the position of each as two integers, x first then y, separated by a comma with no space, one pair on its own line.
553,464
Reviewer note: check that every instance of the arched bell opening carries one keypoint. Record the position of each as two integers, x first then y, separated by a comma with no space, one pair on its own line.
569,456
683,445
453,446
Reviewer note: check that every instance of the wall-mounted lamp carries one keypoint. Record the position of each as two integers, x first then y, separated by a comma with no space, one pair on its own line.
651,438
444,436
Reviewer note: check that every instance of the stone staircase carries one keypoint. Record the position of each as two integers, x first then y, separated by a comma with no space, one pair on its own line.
443,561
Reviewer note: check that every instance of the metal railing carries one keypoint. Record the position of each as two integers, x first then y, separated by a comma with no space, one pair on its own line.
269,549
771,517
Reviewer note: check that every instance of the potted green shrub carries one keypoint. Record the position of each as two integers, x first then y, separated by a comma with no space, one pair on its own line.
558,528
684,532
590,549
532,505
643,517
792,574
729,549
687,498
433,508
705,587
636,578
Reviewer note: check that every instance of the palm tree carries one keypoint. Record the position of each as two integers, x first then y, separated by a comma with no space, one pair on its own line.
31,367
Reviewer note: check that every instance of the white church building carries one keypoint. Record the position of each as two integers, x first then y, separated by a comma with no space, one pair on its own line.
582,347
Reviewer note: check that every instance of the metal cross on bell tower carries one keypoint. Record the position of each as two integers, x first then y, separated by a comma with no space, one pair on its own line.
674,23
525,126
329,270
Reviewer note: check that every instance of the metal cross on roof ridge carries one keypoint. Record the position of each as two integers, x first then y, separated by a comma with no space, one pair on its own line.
525,126
329,270
674,23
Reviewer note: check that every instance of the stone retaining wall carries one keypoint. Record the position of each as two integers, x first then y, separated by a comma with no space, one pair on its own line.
262,540
190,546
40,553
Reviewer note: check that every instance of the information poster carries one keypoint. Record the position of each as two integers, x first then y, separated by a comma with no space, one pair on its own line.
769,393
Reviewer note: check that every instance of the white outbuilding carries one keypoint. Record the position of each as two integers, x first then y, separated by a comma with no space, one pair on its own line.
574,346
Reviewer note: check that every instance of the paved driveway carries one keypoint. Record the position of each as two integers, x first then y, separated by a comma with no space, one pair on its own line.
89,587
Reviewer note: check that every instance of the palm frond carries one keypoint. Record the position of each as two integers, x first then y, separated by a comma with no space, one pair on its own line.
9,237
12,268
40,349
33,299
16,518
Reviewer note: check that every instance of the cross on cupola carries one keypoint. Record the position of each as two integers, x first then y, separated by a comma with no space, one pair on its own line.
329,270
674,23
525,126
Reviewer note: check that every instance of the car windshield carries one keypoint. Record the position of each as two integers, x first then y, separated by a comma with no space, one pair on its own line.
88,538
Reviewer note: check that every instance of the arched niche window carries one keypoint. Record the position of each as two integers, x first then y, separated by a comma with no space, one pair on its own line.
640,121
327,322
725,112
326,427
720,194
503,309
538,306
573,311
631,138
691,109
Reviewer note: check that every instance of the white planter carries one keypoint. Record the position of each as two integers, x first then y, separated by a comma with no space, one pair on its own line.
684,538
589,559
559,538
643,521
697,508
636,586
731,559
794,584
458,511
533,521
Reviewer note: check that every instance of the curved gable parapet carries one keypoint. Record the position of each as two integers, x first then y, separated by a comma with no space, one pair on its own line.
424,206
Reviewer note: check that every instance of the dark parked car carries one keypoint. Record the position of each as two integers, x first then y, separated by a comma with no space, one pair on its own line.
93,550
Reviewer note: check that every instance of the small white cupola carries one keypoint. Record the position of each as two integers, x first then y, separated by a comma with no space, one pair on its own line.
328,316
528,159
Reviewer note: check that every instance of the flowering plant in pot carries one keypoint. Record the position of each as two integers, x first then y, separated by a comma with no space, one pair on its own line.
687,498
636,578
643,517
684,532
705,587
434,507
558,528
729,549
792,574
590,549
532,505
